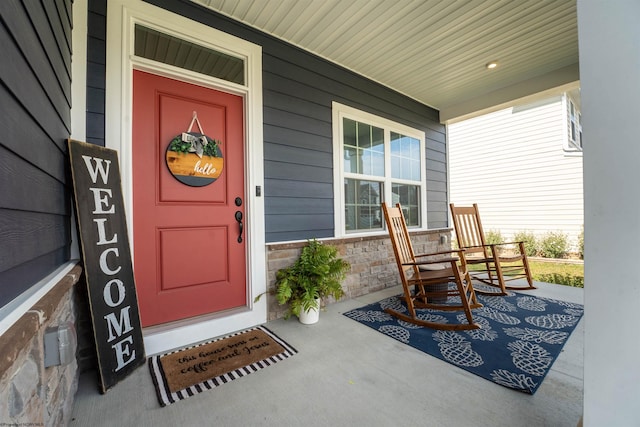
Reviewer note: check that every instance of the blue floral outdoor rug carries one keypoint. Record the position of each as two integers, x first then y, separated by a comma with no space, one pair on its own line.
520,336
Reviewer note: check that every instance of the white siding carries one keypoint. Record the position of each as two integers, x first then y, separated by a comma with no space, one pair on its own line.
513,164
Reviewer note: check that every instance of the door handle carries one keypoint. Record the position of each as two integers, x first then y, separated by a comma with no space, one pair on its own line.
239,219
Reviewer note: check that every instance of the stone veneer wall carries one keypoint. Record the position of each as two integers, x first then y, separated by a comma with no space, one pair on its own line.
31,394
373,265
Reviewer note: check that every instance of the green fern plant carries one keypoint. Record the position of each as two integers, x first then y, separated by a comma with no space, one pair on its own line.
316,274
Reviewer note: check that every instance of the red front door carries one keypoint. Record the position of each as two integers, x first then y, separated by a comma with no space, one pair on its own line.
189,259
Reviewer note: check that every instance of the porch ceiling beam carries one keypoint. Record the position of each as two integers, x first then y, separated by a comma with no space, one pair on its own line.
560,80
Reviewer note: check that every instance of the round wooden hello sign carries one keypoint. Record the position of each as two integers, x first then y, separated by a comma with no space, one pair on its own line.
194,159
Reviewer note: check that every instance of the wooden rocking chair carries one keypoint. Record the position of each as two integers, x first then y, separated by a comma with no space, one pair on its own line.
498,265
436,277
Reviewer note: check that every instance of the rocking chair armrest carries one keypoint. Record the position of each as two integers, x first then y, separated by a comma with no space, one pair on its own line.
505,243
453,251
435,261
476,247
491,245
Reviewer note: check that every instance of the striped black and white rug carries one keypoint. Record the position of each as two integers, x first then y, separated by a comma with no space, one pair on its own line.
189,371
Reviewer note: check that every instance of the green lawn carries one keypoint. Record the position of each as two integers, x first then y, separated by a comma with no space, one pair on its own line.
568,274
557,272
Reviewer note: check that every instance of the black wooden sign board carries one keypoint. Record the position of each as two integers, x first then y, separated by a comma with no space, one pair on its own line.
107,261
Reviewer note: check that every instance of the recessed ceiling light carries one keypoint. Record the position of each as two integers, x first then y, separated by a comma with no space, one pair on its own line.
491,65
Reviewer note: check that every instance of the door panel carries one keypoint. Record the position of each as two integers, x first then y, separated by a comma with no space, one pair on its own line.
199,271
187,257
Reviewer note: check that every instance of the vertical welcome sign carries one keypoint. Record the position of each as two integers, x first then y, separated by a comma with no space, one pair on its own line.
107,261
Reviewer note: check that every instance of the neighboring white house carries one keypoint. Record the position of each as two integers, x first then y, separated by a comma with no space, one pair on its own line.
523,167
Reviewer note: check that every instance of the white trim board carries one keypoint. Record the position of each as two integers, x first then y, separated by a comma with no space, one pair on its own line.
122,15
340,111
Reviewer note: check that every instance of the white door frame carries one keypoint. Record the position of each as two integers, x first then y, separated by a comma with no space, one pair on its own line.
122,15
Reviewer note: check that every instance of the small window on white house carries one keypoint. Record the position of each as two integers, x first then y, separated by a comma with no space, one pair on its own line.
379,160
575,128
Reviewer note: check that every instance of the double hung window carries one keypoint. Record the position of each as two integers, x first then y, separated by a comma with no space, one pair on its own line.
573,142
575,125
376,160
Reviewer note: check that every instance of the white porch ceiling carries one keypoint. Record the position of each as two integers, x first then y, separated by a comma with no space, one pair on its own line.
434,51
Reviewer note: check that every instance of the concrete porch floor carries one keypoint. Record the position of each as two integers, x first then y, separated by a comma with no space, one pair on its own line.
348,374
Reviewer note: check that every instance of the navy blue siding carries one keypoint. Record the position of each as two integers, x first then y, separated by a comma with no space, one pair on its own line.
35,100
298,91
96,70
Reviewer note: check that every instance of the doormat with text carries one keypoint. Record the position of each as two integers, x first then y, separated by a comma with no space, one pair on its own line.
183,373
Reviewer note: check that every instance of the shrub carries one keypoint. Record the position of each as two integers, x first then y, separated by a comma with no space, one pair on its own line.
493,237
561,279
529,240
553,245
581,244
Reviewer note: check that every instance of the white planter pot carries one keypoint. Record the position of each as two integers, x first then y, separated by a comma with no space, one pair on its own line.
310,316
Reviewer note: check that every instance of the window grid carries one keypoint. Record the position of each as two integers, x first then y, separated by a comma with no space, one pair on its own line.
362,205
575,126
376,158
363,148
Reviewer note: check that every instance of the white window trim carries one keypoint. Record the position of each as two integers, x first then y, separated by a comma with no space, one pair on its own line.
571,148
341,111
